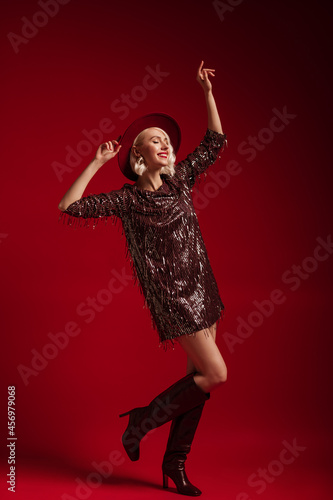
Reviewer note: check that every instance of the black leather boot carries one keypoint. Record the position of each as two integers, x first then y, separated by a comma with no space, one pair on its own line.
174,401
181,436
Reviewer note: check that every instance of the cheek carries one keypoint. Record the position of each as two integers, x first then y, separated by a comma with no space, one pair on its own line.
152,150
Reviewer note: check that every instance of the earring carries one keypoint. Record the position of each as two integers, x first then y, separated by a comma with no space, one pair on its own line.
141,160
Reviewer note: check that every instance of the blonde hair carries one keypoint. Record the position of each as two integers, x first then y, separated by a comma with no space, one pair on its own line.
138,165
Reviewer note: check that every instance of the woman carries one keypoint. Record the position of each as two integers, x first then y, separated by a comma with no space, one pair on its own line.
170,262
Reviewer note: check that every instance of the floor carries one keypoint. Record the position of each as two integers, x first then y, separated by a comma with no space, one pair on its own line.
246,468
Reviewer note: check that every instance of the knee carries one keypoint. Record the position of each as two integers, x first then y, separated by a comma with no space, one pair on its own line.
224,375
218,377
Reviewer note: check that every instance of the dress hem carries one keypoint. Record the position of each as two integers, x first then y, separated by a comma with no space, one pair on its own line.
170,342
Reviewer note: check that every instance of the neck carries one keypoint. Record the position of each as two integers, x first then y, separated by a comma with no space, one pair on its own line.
149,180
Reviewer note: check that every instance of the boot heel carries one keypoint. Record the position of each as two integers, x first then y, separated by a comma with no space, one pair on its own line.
124,414
165,481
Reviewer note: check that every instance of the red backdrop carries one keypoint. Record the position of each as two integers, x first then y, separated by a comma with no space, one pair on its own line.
78,73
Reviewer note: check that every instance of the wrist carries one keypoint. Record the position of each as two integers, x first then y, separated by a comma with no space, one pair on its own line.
95,164
98,162
208,92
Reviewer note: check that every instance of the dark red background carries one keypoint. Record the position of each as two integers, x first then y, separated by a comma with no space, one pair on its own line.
266,219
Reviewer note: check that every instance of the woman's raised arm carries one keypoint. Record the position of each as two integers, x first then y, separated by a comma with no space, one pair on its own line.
214,122
104,153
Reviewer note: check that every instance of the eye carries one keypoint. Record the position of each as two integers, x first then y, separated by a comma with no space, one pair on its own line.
155,142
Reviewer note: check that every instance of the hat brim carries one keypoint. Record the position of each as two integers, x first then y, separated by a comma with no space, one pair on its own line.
160,120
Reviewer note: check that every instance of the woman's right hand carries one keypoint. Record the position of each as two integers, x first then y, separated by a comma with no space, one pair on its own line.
107,150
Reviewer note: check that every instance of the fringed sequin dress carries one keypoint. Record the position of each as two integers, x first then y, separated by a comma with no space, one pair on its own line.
165,245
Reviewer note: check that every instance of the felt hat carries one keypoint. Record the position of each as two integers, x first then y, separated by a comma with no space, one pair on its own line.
160,120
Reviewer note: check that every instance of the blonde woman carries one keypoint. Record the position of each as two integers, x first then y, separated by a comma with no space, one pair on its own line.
170,263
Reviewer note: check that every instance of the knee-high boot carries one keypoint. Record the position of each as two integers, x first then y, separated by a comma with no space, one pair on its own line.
181,436
174,401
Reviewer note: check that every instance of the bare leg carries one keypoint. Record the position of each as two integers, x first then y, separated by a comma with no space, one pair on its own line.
205,358
190,368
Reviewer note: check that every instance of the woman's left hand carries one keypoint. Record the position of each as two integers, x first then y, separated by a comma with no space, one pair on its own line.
203,77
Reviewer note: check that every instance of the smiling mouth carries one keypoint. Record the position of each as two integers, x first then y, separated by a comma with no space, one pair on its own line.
163,155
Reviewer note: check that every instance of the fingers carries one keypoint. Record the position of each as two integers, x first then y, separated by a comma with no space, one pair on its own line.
110,147
204,73
210,71
111,144
199,74
118,146
206,69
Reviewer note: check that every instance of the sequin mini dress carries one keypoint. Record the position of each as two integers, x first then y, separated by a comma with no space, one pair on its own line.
164,243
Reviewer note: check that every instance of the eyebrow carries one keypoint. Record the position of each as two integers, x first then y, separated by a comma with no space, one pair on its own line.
158,137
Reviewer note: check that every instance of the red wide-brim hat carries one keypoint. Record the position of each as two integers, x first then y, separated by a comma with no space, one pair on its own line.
160,120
